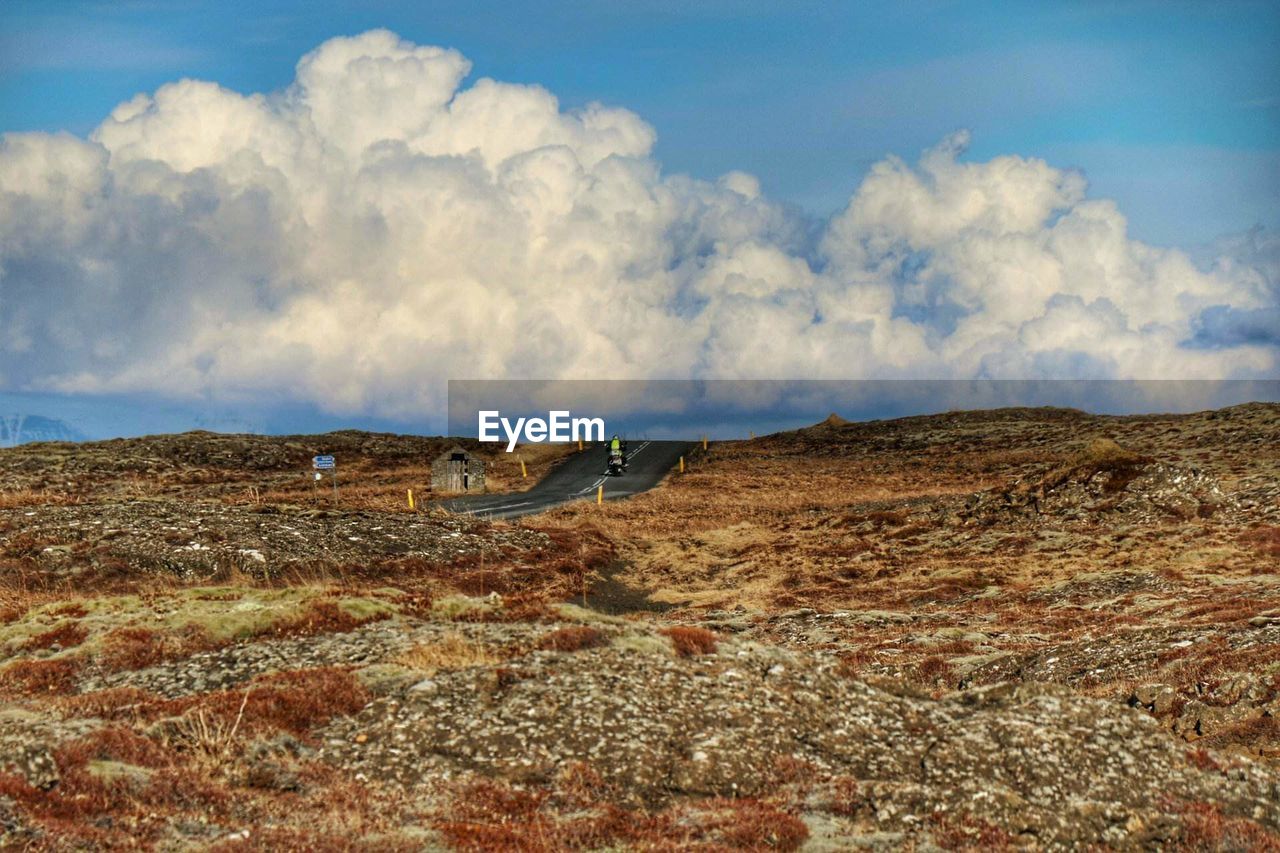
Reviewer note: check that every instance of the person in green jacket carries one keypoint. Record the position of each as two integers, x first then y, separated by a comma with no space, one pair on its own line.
618,450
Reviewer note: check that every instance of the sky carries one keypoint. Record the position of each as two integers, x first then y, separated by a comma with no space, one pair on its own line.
1155,101
336,207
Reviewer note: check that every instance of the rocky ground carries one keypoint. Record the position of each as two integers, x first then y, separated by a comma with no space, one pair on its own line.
203,540
1028,628
374,469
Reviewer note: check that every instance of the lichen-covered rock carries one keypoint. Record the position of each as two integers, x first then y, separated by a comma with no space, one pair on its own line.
1036,760
32,761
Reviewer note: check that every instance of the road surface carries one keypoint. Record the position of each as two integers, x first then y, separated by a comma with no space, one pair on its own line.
578,477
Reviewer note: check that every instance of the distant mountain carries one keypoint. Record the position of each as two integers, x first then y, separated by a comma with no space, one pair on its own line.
23,429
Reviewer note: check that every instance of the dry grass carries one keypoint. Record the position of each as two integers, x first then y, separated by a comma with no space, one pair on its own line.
112,703
452,651
1101,455
113,743
374,471
689,641
841,517
861,516
214,738
22,498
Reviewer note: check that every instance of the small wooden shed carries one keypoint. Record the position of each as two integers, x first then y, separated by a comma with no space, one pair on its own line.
456,470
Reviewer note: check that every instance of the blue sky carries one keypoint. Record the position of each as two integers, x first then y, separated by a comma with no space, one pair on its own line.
213,258
1171,108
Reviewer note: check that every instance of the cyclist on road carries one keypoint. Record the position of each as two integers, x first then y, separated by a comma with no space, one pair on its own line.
618,450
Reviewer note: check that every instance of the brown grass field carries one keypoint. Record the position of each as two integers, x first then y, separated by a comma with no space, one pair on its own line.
197,651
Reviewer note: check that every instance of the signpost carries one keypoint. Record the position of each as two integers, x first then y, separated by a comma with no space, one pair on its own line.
326,463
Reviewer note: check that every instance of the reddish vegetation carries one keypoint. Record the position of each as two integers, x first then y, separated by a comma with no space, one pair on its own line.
1258,735
527,580
572,639
65,636
756,825
1203,759
84,811
324,617
689,641
295,701
966,832
1264,539
138,648
1205,827
489,815
934,670
874,519
113,743
846,797
113,703
57,676
72,610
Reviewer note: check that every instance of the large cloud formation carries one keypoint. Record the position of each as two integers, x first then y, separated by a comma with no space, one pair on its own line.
375,229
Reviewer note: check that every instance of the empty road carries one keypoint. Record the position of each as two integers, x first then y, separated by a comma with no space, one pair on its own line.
577,478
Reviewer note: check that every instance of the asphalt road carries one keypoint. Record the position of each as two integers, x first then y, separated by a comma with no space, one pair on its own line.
577,478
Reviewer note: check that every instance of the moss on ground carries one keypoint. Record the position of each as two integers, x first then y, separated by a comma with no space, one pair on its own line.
224,614
586,616
460,606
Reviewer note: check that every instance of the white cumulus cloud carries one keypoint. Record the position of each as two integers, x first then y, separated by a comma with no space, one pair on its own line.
379,227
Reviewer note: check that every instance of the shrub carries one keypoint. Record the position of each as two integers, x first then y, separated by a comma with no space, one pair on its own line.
689,641
53,675
934,669
847,797
755,825
1202,759
138,648
295,701
572,639
113,743
966,832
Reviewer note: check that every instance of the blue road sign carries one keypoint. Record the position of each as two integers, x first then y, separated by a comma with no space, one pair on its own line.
323,462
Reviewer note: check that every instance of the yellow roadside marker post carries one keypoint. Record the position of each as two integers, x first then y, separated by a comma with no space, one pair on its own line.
579,444
524,472
600,495
704,442
681,464
411,506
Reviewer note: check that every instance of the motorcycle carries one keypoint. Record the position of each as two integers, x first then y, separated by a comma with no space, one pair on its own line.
617,464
